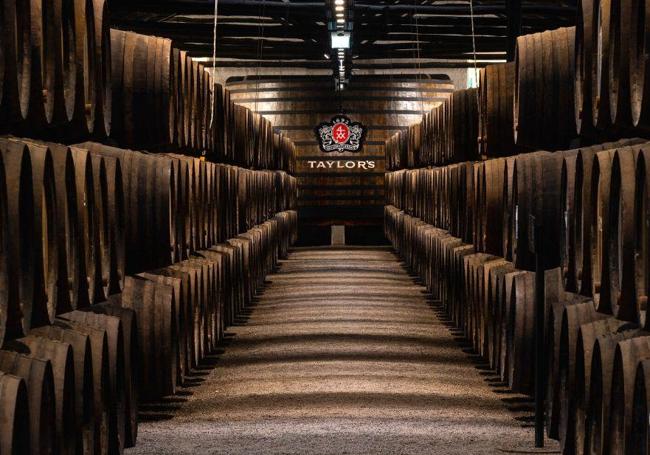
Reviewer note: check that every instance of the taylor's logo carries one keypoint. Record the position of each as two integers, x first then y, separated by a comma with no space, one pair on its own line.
340,135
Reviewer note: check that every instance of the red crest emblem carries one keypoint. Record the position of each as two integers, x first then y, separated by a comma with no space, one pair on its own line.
340,135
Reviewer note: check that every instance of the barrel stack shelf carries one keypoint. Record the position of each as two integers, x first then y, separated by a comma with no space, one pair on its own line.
543,139
140,211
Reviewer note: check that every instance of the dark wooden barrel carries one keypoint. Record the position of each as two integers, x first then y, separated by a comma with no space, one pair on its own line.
584,53
117,374
520,333
627,356
621,29
143,90
103,69
618,260
639,433
641,239
59,354
15,438
128,318
83,122
17,57
155,305
598,71
598,432
27,298
543,101
39,379
42,41
84,412
101,382
65,55
496,92
579,409
572,318
88,214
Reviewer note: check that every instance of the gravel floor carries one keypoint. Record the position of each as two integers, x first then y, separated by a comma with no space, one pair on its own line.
342,354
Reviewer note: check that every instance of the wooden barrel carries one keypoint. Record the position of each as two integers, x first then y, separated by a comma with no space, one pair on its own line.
599,407
618,260
465,125
15,437
70,247
496,92
183,294
10,302
46,226
43,65
528,183
117,373
101,382
102,264
144,102
621,29
583,229
639,432
641,239
584,54
89,216
572,318
568,259
59,354
579,405
65,55
17,57
191,311
116,226
83,122
39,379
179,285
128,318
155,305
27,299
146,178
626,358
103,69
598,71
520,333
543,101
84,412
556,300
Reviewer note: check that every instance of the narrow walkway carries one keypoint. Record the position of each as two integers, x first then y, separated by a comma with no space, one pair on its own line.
343,354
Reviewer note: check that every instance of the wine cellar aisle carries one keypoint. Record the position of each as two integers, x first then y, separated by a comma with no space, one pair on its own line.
342,352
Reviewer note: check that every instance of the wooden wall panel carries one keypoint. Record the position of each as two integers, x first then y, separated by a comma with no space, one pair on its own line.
385,105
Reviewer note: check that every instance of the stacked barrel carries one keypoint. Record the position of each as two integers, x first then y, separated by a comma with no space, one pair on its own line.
472,249
469,227
122,269
123,261
55,69
164,100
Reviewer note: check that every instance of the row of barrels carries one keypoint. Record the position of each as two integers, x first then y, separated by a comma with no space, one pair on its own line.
77,219
446,134
164,100
610,80
596,364
73,386
65,76
518,106
183,309
55,68
592,203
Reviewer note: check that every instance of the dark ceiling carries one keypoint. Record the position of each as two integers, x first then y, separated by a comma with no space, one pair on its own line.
386,33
